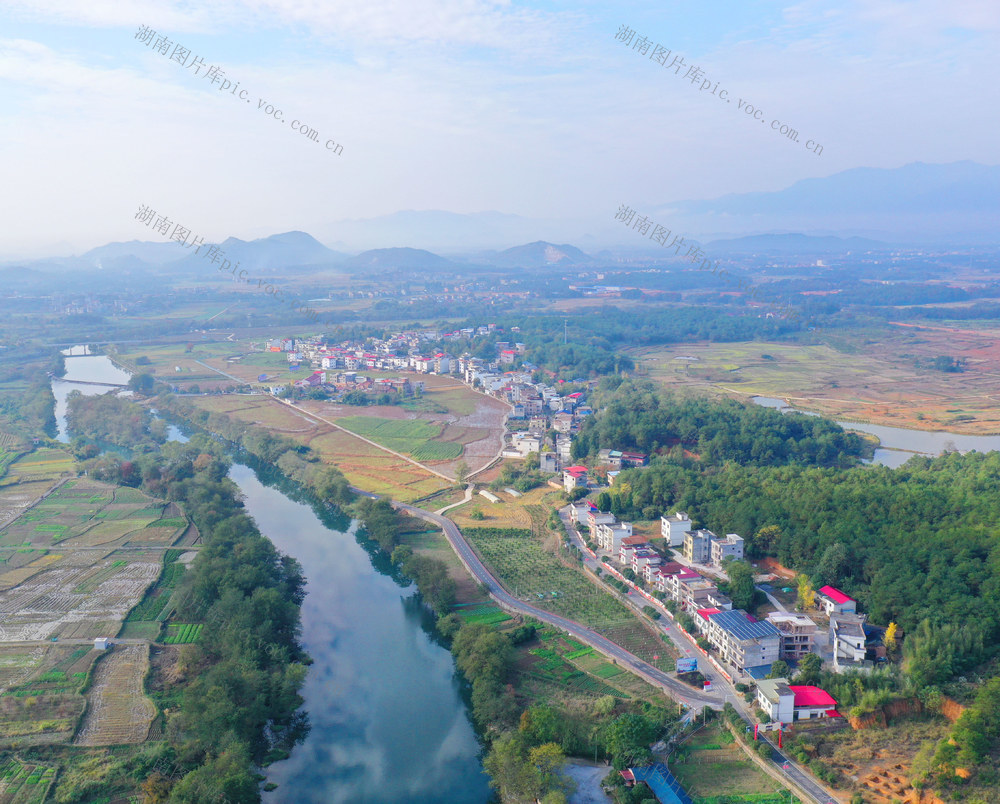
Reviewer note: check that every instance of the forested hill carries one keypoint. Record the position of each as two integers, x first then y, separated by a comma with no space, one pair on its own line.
638,415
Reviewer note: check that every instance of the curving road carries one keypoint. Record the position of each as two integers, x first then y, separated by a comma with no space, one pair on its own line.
785,765
676,689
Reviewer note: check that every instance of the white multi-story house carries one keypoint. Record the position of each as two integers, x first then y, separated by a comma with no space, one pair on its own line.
742,642
730,547
610,535
673,527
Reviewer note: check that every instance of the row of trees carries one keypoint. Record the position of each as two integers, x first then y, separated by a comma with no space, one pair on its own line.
298,462
113,420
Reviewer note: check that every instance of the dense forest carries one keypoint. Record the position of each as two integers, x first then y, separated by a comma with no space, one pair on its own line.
916,543
638,415
26,402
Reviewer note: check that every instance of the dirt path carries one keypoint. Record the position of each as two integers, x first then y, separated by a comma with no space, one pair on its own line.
392,452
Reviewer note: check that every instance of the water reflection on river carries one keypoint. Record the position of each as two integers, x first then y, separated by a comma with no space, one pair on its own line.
388,723
79,372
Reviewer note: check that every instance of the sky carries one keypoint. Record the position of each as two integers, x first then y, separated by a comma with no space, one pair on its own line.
537,109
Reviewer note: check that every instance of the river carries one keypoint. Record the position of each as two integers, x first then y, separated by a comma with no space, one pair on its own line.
389,724
80,371
898,444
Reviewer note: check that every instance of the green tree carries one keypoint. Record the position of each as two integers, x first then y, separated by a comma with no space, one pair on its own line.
810,667
779,669
741,584
628,738
832,562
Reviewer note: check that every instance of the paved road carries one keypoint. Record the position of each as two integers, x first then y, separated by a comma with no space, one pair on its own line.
724,691
722,687
478,570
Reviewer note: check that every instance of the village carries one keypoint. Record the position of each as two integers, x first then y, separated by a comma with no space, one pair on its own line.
678,571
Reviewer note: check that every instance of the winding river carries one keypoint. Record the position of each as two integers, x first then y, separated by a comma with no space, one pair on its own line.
389,723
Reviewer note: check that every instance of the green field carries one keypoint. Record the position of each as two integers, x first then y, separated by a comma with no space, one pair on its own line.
182,633
412,437
535,575
23,782
713,770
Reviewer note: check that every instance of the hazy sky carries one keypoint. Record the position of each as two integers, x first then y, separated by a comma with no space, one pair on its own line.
531,108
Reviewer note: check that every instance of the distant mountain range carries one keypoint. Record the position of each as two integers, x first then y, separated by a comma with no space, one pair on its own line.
535,255
916,203
381,259
863,209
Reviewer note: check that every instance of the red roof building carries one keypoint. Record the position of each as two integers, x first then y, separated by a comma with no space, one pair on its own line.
812,697
833,601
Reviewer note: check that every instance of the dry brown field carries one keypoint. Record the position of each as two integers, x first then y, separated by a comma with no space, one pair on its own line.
875,380
118,710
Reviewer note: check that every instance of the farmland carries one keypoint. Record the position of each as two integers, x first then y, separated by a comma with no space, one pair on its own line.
40,699
24,782
45,463
711,767
72,566
118,710
536,575
364,465
413,437
849,377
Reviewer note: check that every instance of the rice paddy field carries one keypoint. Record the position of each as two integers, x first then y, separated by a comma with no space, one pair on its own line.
536,575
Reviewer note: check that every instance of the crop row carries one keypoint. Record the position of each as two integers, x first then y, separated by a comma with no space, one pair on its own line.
182,633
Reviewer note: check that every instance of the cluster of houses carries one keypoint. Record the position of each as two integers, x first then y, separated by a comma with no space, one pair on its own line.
748,645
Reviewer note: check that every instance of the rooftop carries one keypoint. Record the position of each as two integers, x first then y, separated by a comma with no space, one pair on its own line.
835,594
774,688
738,624
812,696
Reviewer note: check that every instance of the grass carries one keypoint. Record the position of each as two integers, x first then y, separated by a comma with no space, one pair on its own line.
409,436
